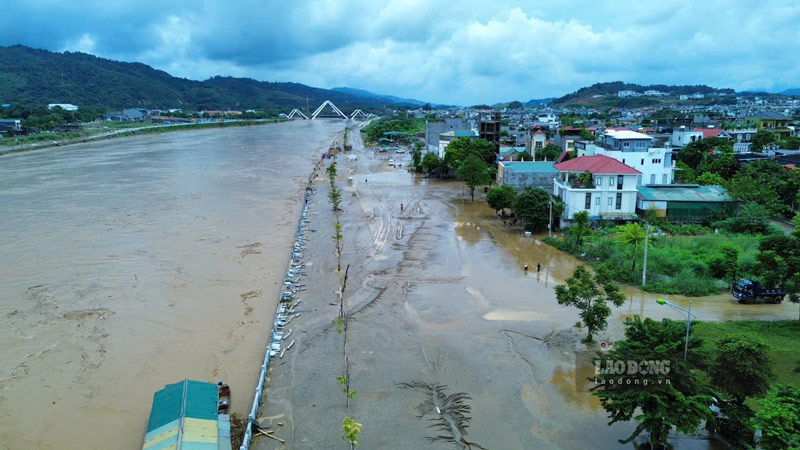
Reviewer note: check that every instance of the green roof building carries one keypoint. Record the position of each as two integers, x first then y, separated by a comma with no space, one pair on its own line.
685,202
185,416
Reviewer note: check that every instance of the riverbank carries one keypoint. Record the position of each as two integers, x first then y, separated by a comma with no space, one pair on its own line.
130,264
126,132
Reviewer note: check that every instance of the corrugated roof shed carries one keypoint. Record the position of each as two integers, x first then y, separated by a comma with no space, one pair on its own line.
185,415
684,193
531,166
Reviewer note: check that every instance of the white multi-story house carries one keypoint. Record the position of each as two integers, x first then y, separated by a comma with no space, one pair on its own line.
601,185
682,136
654,164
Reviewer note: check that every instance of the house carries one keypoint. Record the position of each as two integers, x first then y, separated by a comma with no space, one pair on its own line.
685,202
434,128
654,93
510,153
10,125
538,139
771,121
567,136
742,147
635,150
449,136
601,185
742,135
627,93
683,136
519,174
64,106
713,132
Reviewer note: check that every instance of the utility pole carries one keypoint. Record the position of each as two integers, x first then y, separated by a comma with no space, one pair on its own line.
550,222
646,236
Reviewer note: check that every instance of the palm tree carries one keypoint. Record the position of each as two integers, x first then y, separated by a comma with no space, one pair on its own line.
632,234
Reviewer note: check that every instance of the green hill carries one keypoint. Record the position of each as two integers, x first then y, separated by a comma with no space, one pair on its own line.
31,76
608,91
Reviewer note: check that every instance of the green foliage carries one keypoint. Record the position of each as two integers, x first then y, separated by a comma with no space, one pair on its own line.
779,419
580,228
695,152
741,367
791,143
762,138
335,198
779,262
417,158
752,219
632,234
656,404
709,179
473,172
591,294
684,173
550,152
516,105
533,207
375,129
430,162
768,183
331,171
459,150
351,430
525,156
501,197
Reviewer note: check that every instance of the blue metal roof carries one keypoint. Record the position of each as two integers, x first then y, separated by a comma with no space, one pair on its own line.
531,166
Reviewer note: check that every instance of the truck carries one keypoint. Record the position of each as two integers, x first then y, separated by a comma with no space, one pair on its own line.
750,291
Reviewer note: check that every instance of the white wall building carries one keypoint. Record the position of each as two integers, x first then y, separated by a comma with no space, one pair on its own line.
681,137
611,193
64,106
654,164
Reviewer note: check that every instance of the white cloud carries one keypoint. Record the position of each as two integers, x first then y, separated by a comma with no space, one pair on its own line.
471,52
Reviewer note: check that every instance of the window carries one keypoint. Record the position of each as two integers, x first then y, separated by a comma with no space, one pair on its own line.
597,181
588,200
538,145
638,180
626,144
642,161
619,181
610,201
664,179
610,181
653,179
619,201
597,201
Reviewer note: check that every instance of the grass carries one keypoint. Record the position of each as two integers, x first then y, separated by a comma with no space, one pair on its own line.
783,338
687,265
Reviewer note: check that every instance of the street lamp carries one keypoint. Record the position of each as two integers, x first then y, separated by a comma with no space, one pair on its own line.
689,315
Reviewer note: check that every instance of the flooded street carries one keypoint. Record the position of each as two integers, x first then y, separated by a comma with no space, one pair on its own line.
132,263
439,305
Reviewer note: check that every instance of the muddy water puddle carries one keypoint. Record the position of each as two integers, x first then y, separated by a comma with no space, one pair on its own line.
132,263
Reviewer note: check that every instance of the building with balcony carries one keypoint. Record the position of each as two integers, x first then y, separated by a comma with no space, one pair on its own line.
600,185
771,121
681,137
654,164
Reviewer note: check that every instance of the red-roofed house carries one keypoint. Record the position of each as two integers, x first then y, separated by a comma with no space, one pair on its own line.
713,132
601,185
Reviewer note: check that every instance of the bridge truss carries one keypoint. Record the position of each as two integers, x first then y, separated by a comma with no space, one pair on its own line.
333,107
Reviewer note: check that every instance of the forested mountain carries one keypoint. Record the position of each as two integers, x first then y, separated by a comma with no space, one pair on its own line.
612,88
31,76
388,98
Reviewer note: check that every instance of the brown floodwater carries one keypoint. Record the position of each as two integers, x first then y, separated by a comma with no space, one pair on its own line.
132,263
439,303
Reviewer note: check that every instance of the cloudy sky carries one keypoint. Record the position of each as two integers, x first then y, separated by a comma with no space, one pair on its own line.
444,51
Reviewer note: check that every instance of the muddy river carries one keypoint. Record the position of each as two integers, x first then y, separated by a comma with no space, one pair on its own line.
132,263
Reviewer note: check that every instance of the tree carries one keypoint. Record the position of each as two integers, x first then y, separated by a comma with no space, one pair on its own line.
591,295
791,143
430,162
533,207
335,197
709,179
632,234
473,172
417,158
768,183
550,152
580,227
779,419
684,173
525,156
779,262
644,393
331,171
459,150
762,138
730,260
741,369
501,197
516,105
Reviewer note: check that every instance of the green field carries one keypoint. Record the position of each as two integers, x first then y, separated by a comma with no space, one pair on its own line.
783,338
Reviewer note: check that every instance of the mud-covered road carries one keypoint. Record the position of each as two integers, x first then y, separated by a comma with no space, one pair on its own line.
440,306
